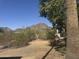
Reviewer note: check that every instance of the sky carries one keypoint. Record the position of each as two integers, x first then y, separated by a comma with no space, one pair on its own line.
20,13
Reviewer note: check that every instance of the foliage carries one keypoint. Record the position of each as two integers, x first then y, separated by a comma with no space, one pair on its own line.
22,36
5,35
54,11
51,34
40,30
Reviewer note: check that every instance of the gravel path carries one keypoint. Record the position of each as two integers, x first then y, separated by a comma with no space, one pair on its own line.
36,50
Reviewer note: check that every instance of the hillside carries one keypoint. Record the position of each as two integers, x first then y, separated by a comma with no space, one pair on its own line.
21,36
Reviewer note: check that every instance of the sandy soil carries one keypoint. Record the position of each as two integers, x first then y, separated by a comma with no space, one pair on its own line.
36,50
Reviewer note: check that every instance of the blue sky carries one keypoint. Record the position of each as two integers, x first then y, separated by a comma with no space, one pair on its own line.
20,13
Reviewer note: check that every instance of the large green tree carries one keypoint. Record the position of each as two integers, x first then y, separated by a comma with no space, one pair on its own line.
54,11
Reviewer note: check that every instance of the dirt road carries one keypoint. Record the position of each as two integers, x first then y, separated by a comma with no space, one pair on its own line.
36,50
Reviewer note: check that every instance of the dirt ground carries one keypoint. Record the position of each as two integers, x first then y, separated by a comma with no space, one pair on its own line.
36,50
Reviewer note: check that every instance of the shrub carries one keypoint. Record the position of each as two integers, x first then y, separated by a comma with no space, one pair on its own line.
23,38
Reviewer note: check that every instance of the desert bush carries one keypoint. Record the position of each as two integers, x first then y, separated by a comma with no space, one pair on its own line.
23,38
51,36
60,45
5,37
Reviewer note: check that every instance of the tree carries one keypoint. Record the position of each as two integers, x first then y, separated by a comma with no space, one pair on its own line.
54,10
72,30
40,30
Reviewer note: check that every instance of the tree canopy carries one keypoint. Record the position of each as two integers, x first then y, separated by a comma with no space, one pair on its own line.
54,11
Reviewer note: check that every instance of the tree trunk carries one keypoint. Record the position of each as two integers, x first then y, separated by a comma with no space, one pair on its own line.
72,30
